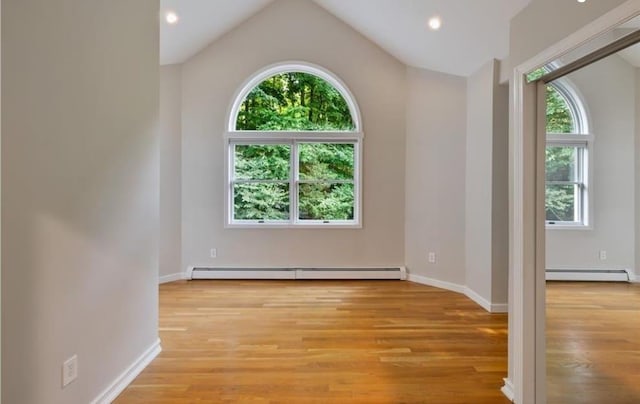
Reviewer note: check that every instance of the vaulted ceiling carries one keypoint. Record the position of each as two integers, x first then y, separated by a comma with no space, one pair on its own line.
473,31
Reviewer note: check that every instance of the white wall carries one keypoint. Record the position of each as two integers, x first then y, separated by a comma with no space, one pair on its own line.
435,175
170,243
210,80
79,193
608,88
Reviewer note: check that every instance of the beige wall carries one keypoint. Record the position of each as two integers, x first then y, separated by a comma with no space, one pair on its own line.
608,89
637,177
210,80
80,193
486,218
479,170
170,170
435,175
544,23
500,195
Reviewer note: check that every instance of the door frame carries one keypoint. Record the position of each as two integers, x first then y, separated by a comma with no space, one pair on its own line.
526,382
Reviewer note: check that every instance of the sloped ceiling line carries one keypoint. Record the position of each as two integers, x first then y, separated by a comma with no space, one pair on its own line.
473,31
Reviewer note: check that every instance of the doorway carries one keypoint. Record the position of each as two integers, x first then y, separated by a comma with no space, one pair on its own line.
592,311
528,263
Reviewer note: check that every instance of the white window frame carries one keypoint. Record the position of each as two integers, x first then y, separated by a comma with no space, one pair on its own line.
294,138
583,140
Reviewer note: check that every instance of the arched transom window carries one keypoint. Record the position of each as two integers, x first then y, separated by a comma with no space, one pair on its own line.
294,151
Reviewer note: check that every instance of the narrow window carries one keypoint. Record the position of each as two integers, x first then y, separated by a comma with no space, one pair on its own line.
567,156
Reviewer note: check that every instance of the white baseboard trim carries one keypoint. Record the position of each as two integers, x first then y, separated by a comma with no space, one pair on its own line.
507,390
633,278
484,303
587,275
499,307
172,278
454,287
307,273
126,377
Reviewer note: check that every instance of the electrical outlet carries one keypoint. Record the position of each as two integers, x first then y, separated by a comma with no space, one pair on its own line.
69,370
214,253
603,255
432,258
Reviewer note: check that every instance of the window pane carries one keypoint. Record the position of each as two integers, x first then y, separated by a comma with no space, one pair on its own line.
326,201
262,162
260,201
294,101
562,163
559,118
326,161
561,202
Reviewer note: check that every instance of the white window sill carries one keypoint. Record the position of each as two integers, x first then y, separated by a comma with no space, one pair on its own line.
568,227
293,226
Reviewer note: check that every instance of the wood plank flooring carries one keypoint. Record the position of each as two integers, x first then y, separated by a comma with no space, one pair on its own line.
322,342
593,343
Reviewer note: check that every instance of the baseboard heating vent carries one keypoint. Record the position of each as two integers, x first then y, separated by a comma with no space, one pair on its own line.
599,275
296,273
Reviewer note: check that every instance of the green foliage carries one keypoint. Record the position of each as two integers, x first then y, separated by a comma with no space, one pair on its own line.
294,102
559,119
560,199
262,201
326,201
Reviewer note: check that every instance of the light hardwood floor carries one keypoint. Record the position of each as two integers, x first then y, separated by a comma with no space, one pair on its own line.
593,343
322,342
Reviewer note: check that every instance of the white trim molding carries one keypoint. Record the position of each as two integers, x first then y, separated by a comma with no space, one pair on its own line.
587,274
507,390
423,280
172,277
465,290
126,377
484,303
292,273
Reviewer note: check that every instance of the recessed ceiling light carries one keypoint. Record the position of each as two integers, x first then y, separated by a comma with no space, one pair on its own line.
171,17
435,23
582,1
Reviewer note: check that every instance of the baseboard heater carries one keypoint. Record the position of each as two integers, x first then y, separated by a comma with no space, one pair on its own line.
599,275
399,273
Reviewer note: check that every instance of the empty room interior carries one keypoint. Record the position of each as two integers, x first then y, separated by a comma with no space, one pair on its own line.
320,201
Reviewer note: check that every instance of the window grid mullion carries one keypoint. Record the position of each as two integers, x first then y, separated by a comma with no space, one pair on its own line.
564,182
242,181
321,181
294,213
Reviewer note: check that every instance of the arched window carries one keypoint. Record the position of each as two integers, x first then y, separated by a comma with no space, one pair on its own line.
569,143
294,145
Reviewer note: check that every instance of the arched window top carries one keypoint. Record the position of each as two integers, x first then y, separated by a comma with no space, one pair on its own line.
566,111
294,97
